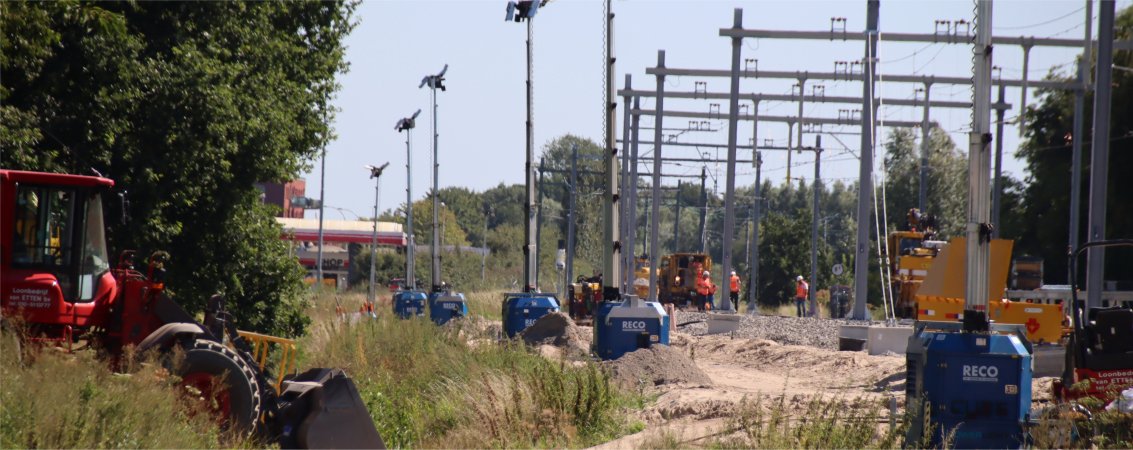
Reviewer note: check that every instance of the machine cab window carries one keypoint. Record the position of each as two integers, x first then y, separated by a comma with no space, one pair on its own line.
61,230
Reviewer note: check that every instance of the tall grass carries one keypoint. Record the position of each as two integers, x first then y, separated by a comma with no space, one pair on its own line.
810,422
60,400
426,386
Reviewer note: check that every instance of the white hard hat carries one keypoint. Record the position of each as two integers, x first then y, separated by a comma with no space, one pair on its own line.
799,278
733,272
705,273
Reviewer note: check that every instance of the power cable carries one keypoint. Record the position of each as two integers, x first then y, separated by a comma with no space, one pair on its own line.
1023,27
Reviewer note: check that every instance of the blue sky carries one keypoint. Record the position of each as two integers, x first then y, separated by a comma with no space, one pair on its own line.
481,115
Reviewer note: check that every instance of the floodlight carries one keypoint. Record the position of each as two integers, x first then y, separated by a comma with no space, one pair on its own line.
408,122
376,171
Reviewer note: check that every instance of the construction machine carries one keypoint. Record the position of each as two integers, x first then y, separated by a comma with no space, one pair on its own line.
584,297
1099,355
57,278
927,281
678,274
911,252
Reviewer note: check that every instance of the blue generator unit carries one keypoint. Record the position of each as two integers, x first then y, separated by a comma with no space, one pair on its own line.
407,304
975,387
445,306
620,328
521,310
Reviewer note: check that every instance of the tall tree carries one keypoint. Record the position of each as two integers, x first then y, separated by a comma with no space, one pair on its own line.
186,105
947,180
1047,152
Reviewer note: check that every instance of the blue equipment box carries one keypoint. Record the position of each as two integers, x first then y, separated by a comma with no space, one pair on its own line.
407,304
632,324
975,387
445,306
522,309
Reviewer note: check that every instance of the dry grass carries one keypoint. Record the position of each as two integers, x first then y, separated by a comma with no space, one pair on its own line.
52,399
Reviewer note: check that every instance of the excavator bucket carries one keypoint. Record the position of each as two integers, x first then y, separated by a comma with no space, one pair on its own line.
321,408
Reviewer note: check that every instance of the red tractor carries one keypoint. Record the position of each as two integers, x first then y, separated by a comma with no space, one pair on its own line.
58,280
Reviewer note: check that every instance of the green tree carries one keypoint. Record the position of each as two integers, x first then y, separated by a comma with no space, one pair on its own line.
1047,152
946,181
186,105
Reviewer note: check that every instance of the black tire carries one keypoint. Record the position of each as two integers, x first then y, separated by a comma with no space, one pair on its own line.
211,360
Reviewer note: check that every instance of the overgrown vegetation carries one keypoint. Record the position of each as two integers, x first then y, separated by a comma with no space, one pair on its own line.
61,400
456,387
186,105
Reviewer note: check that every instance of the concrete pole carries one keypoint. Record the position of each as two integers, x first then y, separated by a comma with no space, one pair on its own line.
757,207
753,246
530,249
790,148
704,210
1076,162
922,195
730,180
799,138
979,167
865,172
997,180
657,142
626,222
1099,154
677,221
632,203
611,243
1027,43
570,215
814,226
1079,133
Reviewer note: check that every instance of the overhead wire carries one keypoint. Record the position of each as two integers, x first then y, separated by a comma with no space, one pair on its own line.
1039,24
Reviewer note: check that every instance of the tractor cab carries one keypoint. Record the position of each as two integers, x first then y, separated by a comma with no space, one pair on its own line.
56,267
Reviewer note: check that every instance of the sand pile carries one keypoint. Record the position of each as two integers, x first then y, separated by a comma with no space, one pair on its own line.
558,330
656,366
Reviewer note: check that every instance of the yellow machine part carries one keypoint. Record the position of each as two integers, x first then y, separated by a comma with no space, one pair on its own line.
261,348
941,295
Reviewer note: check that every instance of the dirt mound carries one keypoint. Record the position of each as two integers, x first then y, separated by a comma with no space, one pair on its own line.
559,330
656,366
772,357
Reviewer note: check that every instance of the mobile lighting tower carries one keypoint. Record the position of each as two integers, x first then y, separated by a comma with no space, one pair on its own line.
435,82
521,310
967,379
376,174
409,302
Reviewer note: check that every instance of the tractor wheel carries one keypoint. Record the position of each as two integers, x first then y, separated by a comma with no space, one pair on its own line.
222,382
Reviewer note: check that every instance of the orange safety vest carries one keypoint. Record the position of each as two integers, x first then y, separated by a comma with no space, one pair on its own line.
734,283
702,285
802,290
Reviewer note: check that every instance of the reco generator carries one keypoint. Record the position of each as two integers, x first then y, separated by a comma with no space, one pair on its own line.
445,306
407,304
620,328
975,387
521,310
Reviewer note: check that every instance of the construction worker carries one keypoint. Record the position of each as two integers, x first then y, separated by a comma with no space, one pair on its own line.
706,290
734,290
802,289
